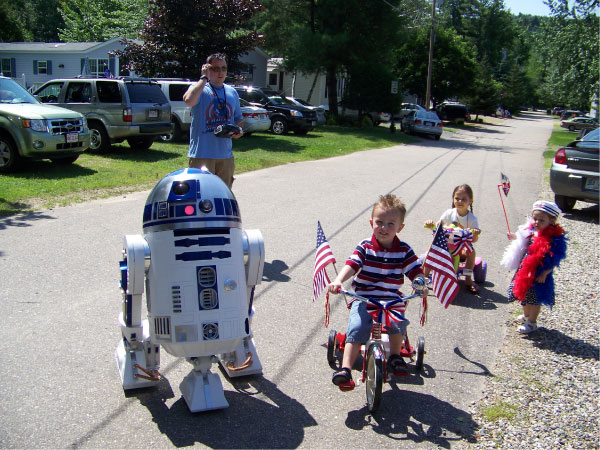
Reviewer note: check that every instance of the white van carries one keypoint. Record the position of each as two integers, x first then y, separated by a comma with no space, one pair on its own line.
181,114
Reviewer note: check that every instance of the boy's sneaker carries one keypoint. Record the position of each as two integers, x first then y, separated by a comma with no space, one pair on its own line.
343,379
527,327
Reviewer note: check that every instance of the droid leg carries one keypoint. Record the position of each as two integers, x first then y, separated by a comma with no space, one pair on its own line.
243,360
201,389
138,361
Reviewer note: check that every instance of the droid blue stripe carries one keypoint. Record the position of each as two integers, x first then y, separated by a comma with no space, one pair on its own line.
192,219
147,213
219,209
228,208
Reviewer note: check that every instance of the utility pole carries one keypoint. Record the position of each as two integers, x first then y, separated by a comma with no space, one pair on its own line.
430,67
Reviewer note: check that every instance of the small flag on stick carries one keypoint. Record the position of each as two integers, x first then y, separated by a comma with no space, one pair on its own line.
323,257
438,259
505,185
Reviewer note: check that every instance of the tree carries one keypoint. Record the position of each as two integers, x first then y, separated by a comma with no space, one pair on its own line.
32,20
100,20
454,64
178,35
349,38
569,48
484,95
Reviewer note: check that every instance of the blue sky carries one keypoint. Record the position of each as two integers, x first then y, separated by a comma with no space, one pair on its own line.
535,7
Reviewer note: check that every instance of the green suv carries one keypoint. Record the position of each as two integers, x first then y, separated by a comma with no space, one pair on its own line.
30,130
116,109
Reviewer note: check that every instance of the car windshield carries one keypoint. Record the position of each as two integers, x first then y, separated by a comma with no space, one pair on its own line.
593,135
12,92
145,93
428,115
279,100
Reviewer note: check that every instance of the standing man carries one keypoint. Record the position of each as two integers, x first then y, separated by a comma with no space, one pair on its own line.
213,103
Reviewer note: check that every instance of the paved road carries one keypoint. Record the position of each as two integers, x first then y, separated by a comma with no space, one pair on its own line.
59,301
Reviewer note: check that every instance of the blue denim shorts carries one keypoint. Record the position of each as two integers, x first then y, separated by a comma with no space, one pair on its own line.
360,321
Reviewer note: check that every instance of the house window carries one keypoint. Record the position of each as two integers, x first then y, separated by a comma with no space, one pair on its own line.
42,67
97,66
6,68
273,79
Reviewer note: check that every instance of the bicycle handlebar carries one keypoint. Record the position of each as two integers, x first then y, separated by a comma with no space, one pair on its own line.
366,299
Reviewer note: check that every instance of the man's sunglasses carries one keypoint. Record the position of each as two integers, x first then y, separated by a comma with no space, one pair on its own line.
218,68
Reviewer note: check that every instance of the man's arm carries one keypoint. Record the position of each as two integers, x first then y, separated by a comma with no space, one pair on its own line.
192,95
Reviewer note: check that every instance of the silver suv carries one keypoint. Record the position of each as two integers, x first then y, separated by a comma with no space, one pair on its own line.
132,109
181,114
30,131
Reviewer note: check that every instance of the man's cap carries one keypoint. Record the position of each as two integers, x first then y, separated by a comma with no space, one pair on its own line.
547,207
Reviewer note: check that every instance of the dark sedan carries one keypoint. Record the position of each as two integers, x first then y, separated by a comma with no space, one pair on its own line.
574,174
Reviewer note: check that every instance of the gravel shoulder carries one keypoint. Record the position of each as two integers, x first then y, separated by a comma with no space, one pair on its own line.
544,388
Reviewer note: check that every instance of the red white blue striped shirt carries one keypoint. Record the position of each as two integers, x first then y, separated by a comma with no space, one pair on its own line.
380,271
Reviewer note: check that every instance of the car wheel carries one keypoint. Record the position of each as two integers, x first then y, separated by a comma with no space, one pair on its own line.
174,136
247,134
98,138
140,142
10,159
571,128
65,161
279,126
437,137
566,204
302,132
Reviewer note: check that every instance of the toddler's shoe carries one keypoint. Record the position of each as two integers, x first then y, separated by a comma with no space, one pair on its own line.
527,327
397,366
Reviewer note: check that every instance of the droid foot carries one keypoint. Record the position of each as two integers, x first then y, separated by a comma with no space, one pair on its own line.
203,392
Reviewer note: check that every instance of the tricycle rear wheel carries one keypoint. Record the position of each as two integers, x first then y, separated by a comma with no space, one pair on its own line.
420,353
331,348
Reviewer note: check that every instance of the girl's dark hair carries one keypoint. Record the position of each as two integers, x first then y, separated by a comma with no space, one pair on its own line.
467,189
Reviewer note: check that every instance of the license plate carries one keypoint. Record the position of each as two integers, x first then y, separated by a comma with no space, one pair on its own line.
429,124
72,137
314,123
153,113
592,184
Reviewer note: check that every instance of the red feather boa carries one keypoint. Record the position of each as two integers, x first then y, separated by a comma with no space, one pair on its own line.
540,246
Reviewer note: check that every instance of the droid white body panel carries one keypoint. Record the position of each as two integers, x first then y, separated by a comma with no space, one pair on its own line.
198,268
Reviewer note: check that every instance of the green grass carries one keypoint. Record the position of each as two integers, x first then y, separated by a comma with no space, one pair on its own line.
559,137
501,410
42,184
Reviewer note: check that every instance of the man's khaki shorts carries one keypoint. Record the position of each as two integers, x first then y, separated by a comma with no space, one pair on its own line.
223,168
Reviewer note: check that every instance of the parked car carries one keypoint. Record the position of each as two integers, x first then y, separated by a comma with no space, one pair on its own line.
570,113
423,122
557,110
579,123
132,109
321,119
284,115
31,131
375,117
453,112
574,174
255,118
405,108
181,114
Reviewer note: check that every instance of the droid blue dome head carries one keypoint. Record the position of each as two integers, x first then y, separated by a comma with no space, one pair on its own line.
190,198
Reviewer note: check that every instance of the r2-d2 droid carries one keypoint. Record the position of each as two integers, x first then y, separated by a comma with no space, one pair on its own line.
199,269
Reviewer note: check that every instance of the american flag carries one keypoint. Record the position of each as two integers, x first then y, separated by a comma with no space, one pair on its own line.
438,259
505,183
323,257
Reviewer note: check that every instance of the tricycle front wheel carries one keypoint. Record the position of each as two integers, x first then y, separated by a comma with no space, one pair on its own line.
374,376
332,344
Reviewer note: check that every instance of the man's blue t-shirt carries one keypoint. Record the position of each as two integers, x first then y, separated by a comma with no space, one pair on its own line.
216,106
